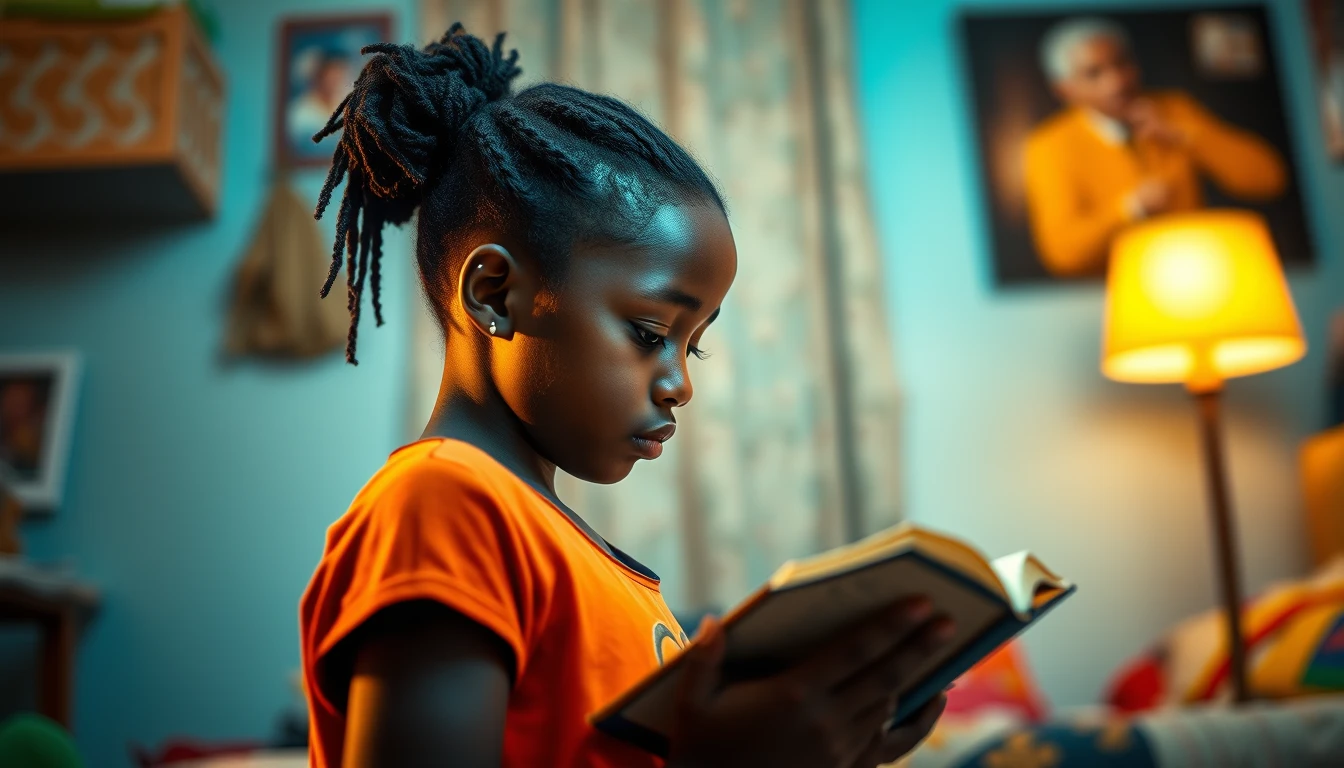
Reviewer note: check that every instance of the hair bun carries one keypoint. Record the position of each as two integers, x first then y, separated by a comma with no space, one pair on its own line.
401,119
487,70
407,108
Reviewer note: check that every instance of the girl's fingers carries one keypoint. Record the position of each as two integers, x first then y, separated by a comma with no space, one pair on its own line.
877,682
902,740
871,640
871,722
704,660
872,752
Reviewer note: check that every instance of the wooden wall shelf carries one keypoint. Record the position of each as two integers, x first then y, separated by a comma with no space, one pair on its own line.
108,120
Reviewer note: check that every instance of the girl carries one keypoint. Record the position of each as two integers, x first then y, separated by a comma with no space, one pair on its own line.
462,615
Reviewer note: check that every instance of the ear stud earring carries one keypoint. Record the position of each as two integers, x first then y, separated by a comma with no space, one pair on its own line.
492,327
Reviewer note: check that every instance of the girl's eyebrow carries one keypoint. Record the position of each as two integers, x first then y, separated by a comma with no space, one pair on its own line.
681,299
674,296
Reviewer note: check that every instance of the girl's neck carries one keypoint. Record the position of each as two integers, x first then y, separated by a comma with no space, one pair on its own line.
462,413
479,416
460,418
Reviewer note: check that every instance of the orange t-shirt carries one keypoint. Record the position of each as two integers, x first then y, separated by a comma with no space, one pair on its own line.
443,521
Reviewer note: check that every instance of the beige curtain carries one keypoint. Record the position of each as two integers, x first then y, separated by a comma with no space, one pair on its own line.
791,443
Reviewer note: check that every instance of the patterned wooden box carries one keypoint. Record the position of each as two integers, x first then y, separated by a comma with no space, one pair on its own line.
108,120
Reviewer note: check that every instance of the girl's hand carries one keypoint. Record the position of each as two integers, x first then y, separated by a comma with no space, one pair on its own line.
830,710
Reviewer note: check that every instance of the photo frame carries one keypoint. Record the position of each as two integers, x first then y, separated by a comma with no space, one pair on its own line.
319,59
38,394
1335,369
1325,21
1203,74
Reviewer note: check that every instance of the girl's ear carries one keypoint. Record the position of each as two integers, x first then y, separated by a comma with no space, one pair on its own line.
487,289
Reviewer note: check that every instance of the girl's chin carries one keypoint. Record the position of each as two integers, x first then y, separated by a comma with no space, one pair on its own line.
605,473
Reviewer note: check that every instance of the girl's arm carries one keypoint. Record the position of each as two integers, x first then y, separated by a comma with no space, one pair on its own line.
429,688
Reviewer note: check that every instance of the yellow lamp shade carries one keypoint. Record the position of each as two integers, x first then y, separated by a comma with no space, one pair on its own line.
1196,298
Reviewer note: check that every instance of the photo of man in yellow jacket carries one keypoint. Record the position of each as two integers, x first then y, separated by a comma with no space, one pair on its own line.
1117,153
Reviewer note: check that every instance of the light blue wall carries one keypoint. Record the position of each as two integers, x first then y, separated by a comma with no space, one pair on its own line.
199,494
1013,437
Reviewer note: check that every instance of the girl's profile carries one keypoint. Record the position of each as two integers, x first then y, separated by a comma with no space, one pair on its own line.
574,256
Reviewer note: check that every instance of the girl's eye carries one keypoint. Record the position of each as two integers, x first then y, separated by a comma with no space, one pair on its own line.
647,338
650,340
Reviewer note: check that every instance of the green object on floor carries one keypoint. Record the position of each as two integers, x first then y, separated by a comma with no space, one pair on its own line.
33,741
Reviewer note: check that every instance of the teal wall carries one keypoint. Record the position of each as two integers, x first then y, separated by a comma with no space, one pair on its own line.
199,494
1013,438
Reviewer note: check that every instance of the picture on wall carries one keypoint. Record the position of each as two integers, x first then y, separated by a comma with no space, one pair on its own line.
1335,369
319,61
37,402
1086,122
1326,22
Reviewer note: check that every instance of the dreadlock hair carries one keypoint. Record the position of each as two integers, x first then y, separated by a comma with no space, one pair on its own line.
437,129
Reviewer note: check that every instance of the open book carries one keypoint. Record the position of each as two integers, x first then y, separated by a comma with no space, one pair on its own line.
807,602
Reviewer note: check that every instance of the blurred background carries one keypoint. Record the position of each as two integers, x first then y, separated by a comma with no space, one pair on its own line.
178,426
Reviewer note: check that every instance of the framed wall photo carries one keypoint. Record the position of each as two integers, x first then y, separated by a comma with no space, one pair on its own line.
37,413
318,62
1326,20
1335,369
1088,121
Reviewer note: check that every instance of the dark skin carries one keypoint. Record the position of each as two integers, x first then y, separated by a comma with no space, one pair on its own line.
572,378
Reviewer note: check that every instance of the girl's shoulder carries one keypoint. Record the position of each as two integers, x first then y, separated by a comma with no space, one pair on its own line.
441,459
439,483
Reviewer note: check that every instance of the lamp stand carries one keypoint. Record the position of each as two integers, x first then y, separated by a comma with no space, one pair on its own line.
1225,541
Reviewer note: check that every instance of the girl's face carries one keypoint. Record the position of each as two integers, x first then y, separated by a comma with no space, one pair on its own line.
594,374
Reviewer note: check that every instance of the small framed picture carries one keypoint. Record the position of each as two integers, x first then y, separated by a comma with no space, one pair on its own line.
318,63
37,412
1326,25
1335,369
1227,45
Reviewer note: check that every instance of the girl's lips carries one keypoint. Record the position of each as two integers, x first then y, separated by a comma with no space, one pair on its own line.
649,444
659,434
647,449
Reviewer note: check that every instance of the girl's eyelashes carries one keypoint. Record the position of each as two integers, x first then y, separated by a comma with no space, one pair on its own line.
650,340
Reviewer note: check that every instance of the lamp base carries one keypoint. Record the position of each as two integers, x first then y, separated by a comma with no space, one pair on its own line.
1209,402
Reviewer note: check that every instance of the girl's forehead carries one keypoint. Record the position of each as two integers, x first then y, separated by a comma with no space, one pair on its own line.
685,251
685,241
673,228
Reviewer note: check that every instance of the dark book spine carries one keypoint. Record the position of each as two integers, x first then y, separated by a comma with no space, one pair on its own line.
989,641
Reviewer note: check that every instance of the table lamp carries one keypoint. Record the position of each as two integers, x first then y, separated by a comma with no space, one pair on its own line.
1196,299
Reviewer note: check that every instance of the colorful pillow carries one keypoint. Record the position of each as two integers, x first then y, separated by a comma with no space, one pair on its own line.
997,696
1001,682
1295,638
1083,743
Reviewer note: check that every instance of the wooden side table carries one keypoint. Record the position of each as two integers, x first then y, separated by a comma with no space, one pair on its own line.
59,605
